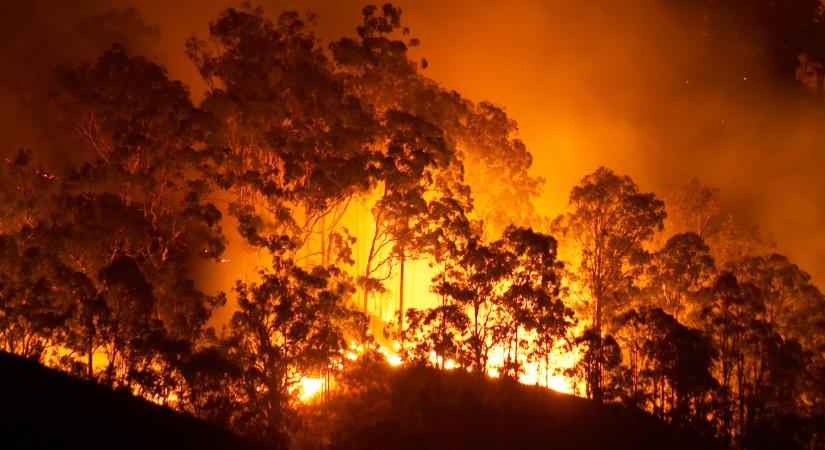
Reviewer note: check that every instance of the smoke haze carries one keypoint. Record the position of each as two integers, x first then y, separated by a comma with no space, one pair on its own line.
649,88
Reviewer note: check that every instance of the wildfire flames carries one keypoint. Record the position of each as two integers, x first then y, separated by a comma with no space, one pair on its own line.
292,214
549,375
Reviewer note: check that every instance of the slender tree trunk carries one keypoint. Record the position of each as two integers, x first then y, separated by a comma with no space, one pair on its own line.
366,283
662,398
479,342
368,268
515,354
89,356
324,256
741,389
547,369
597,382
401,300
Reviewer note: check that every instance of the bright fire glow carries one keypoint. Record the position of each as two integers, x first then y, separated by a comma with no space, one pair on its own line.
310,387
394,360
548,373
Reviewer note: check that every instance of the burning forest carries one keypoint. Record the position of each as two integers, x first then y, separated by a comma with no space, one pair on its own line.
313,241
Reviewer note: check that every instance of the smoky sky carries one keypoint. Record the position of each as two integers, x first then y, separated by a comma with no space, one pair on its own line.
648,88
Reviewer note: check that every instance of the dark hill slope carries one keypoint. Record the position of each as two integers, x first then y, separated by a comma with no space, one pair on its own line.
384,408
41,408
427,409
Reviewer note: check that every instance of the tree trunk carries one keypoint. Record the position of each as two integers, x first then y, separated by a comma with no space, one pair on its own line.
324,256
401,300
515,354
89,356
368,268
597,382
741,389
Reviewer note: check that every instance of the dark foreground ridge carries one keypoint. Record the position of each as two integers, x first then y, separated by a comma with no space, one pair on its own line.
41,408
399,409
421,408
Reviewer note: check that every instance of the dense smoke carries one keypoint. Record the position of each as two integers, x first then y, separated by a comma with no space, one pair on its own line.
38,37
659,90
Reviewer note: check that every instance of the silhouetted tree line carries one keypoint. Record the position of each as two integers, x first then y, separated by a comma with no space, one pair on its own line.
678,310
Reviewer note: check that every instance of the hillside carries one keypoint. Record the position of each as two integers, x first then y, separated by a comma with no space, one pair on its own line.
46,409
420,408
389,409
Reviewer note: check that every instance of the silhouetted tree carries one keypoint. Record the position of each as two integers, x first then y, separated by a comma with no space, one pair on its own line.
288,142
599,359
471,280
669,365
416,170
508,291
436,335
378,67
794,306
693,208
677,273
32,312
732,309
292,324
141,187
610,222
531,294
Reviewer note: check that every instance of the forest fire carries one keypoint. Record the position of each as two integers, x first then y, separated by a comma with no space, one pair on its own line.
310,387
316,239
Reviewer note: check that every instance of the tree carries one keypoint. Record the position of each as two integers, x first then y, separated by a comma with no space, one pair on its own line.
436,335
498,165
677,273
379,69
129,320
292,324
24,193
115,236
32,312
693,208
417,170
794,306
598,365
508,293
143,137
213,386
472,279
290,144
696,208
782,347
610,222
531,296
731,311
669,365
